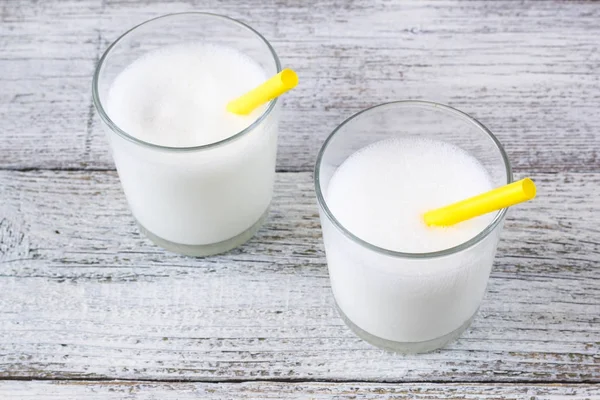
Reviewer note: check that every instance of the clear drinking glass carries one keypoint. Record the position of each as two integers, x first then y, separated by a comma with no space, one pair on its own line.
197,200
408,302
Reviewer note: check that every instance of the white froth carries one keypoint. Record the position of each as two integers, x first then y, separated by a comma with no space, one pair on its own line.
381,192
176,96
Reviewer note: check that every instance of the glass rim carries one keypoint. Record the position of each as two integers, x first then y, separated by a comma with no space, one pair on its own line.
440,253
115,128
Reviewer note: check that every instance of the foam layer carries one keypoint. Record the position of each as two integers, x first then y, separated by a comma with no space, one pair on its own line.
176,96
381,192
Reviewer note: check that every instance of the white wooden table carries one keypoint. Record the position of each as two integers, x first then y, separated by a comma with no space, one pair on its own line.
90,309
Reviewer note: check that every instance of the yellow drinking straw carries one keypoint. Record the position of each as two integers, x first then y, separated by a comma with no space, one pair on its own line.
496,199
274,87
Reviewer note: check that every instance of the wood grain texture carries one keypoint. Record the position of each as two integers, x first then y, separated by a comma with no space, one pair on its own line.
269,390
47,56
528,70
85,296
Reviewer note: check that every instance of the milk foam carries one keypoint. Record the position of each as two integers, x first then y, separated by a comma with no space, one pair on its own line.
381,192
176,96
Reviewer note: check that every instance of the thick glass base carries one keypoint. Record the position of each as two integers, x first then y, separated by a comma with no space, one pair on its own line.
205,249
405,347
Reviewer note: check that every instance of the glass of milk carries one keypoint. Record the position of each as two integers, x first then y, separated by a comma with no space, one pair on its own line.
398,283
198,180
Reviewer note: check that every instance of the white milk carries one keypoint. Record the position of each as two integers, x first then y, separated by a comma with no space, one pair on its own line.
380,194
176,97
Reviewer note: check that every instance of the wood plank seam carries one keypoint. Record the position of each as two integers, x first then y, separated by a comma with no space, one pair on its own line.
292,380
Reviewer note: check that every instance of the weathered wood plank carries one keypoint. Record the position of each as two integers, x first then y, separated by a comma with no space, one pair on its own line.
527,69
124,390
47,55
83,295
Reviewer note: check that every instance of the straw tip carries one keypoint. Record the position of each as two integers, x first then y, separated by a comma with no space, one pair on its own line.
289,78
529,188
429,219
